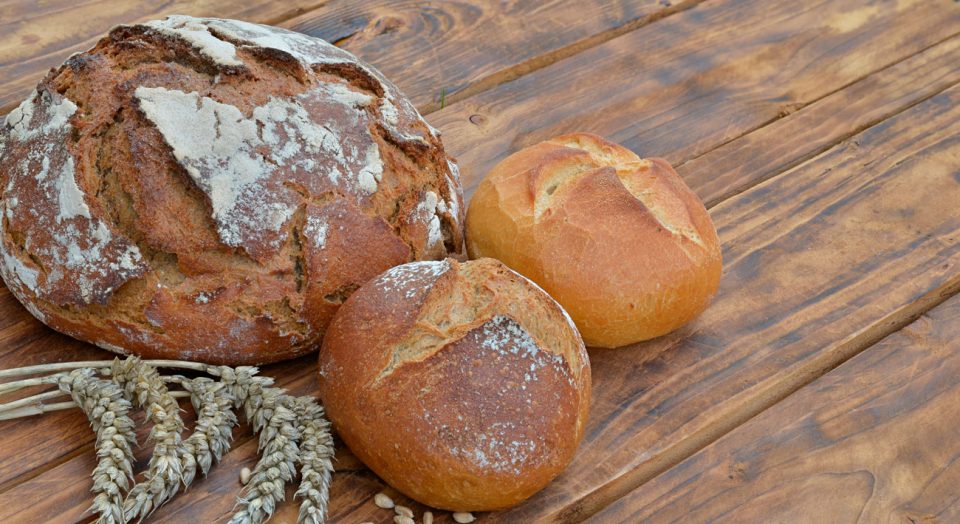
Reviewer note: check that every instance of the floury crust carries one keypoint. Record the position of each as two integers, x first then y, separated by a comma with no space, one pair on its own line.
213,190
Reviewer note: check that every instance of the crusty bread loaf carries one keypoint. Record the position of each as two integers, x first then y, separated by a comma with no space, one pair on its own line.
213,190
621,242
464,386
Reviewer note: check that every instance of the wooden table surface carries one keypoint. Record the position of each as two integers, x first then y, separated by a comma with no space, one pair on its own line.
822,385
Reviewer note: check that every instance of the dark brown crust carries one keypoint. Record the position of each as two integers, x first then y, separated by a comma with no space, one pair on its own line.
464,386
189,294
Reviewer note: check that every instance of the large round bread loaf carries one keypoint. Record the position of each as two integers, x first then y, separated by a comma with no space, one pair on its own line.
213,190
620,241
464,386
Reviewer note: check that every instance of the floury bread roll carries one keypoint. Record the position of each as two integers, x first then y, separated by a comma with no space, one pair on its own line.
213,190
464,386
621,242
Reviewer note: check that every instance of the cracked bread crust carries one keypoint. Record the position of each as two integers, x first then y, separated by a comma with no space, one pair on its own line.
620,241
463,385
213,190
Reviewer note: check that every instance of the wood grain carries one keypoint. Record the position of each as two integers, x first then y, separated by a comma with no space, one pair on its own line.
820,262
425,47
698,79
875,440
36,36
457,37
739,164
460,48
656,386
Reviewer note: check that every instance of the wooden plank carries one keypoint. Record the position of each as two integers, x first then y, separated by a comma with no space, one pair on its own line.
875,440
735,166
739,65
425,47
448,134
458,49
457,41
917,71
834,269
820,262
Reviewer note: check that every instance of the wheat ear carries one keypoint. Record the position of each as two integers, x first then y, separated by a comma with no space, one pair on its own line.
277,426
213,433
162,480
105,406
316,455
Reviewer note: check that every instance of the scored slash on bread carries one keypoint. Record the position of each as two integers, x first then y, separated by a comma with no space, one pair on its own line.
463,385
621,242
213,190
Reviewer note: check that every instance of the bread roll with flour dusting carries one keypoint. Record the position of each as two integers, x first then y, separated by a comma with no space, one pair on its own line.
620,241
464,386
213,190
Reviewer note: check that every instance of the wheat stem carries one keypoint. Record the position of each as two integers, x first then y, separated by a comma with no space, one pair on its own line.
26,383
31,400
100,364
29,411
36,410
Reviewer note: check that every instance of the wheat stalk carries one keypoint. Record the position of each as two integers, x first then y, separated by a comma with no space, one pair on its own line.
282,422
164,472
316,466
105,406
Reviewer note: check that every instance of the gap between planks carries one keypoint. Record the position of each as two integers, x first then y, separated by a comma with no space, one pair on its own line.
515,71
826,146
802,376
508,73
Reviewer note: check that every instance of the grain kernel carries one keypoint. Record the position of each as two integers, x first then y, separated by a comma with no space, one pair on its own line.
403,511
383,501
245,476
462,517
427,517
400,519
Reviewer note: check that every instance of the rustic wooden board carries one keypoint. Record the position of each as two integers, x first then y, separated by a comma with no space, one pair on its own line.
653,407
31,343
461,48
763,154
866,236
425,47
875,440
812,125
700,78
819,264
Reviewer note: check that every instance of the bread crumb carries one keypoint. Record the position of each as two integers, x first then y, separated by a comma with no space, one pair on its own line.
383,501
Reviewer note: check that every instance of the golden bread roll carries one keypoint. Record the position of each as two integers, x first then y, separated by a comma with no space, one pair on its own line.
620,241
462,385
